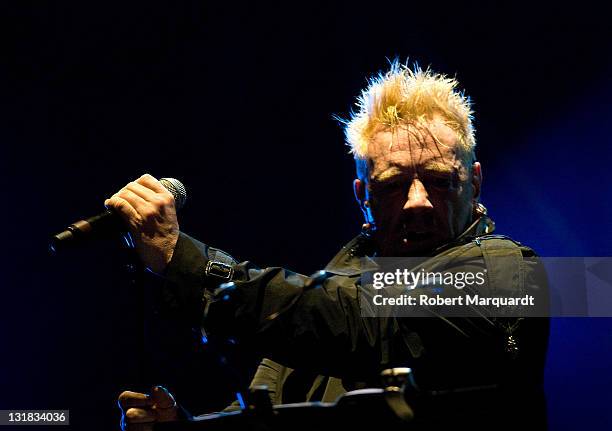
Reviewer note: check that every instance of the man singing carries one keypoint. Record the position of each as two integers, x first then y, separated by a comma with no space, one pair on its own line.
418,186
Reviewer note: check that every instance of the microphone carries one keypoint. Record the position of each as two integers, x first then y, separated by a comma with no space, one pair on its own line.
108,221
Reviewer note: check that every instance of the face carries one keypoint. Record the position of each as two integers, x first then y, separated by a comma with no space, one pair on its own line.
419,191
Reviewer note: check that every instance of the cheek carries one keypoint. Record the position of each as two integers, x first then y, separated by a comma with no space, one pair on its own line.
384,206
448,210
459,213
444,210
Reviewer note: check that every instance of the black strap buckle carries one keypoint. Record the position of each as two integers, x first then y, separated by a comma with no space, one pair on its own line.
219,269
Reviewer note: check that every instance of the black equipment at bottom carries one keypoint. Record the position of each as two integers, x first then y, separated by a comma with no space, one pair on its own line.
398,406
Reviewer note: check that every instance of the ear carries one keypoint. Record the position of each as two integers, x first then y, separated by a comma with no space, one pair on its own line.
476,180
359,188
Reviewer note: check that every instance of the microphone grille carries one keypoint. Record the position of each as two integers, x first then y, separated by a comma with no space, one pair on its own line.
177,189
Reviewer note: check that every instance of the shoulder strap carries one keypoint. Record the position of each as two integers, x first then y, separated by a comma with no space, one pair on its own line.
504,259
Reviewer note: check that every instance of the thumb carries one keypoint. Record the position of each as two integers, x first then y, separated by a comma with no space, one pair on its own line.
163,404
161,398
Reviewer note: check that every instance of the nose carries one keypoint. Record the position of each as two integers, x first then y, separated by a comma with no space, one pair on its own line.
417,199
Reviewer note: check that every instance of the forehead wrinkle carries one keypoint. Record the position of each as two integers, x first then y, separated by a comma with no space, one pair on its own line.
422,150
426,129
416,139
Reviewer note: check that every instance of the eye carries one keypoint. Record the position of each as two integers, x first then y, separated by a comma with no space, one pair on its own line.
440,182
386,186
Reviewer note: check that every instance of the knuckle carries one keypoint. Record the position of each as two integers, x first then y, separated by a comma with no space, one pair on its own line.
163,200
168,198
145,214
157,200
148,213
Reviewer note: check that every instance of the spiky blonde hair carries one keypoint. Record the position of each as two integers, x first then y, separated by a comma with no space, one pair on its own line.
405,96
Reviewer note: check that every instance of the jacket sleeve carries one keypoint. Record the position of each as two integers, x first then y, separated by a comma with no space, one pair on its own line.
302,322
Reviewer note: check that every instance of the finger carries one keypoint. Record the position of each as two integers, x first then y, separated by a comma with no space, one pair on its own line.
128,399
162,398
152,183
141,206
157,200
165,405
139,416
123,207
144,192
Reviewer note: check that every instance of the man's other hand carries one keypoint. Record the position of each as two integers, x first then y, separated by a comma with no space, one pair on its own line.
139,412
148,209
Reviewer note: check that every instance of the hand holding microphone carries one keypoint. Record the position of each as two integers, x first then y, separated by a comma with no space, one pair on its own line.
149,212
147,208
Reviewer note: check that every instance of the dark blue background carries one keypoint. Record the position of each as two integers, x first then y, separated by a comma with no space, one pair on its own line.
236,100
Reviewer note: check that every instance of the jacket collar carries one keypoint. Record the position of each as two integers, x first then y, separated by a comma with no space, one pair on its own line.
356,256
